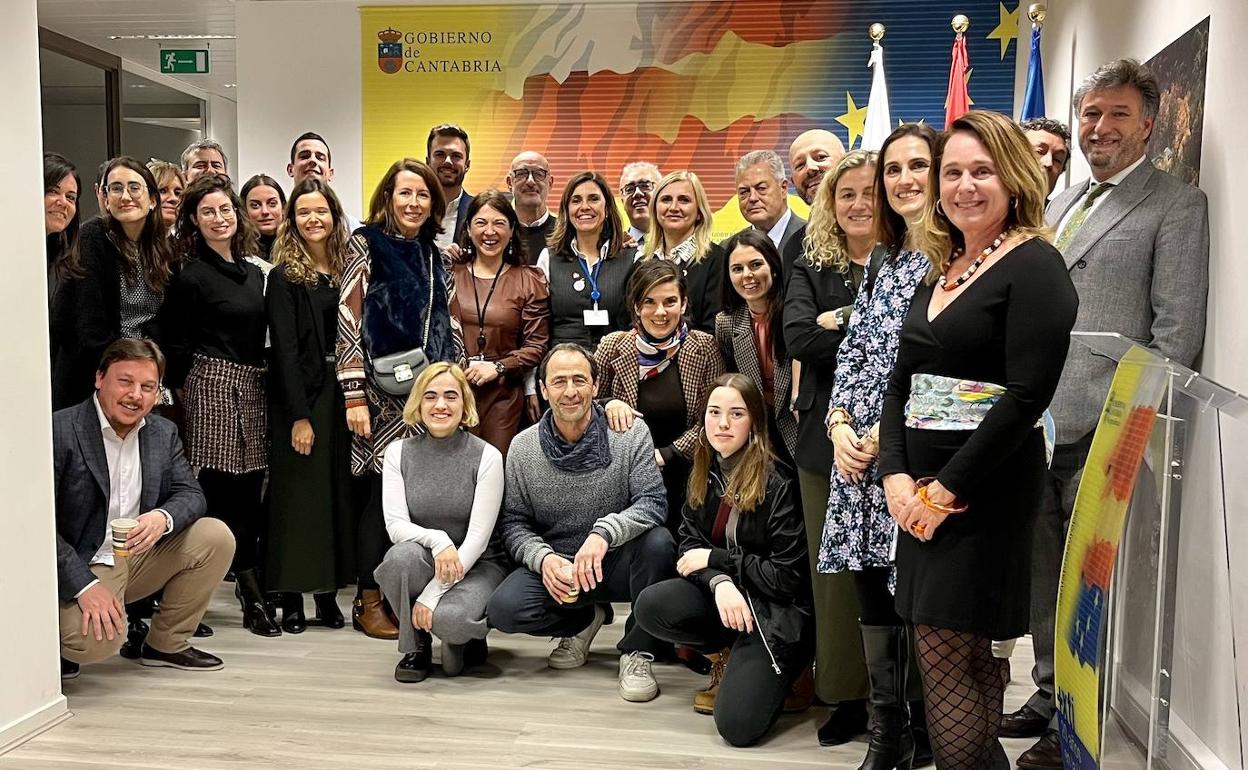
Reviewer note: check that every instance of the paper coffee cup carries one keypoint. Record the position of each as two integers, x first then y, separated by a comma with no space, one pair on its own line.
569,573
121,530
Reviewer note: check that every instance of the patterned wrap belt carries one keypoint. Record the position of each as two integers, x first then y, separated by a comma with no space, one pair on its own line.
226,416
947,403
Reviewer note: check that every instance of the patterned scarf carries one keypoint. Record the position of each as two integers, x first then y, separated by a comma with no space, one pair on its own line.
592,452
680,253
653,356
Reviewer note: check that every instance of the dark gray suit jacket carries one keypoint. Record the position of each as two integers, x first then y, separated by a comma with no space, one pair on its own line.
82,487
794,226
1140,263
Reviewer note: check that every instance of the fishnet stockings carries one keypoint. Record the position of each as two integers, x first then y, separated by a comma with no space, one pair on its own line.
963,690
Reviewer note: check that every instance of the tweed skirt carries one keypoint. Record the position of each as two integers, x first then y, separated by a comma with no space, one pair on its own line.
226,416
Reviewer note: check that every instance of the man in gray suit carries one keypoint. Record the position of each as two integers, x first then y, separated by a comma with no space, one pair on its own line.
763,195
1136,241
113,459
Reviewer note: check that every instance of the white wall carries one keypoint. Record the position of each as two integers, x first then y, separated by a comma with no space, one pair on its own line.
290,82
30,696
222,125
80,133
1079,36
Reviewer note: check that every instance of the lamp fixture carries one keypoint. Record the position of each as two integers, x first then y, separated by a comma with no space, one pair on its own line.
172,37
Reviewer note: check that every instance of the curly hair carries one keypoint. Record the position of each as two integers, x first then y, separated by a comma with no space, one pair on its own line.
825,244
291,250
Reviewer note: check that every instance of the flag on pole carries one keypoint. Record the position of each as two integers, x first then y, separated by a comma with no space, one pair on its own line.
879,122
957,102
1033,99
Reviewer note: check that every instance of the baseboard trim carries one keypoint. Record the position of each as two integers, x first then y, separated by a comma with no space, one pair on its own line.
36,722
1189,751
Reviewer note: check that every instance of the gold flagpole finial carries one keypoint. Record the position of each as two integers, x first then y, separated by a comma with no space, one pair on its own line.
1036,12
961,23
876,31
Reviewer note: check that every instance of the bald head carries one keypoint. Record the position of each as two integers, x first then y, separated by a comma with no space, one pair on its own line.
529,193
812,154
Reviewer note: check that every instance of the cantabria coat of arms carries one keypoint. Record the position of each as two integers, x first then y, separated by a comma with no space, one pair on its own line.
390,50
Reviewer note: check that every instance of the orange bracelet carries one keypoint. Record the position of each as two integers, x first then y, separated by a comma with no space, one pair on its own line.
945,509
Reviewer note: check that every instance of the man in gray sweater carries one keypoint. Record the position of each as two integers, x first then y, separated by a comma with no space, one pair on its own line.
583,515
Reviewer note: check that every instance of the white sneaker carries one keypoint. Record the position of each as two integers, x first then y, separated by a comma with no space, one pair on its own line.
573,651
637,682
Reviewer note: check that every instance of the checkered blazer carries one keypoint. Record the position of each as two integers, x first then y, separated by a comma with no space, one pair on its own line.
735,334
699,363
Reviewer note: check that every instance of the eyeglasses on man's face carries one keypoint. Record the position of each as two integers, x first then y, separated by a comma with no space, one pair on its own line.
642,185
536,174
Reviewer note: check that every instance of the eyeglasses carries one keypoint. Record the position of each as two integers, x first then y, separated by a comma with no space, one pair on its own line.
225,212
536,174
134,188
644,185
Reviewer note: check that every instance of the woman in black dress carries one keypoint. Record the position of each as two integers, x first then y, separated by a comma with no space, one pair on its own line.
681,223
213,328
313,499
962,456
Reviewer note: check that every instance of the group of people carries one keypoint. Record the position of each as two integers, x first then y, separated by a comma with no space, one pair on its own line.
812,456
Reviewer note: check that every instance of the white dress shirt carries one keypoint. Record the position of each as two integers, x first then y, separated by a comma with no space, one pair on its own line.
776,233
1115,180
450,220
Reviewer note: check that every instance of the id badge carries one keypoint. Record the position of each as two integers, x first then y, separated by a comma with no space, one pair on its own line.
596,318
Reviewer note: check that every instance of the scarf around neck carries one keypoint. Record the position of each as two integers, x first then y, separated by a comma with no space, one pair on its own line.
592,452
654,356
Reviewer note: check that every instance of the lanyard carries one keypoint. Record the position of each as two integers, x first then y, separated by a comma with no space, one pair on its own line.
592,277
481,309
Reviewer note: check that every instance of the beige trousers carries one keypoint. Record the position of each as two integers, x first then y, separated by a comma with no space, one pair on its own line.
188,566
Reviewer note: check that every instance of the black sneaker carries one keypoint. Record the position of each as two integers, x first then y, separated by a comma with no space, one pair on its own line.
69,669
189,659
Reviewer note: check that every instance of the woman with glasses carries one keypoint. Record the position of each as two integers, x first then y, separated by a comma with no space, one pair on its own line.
125,261
264,199
213,331
681,222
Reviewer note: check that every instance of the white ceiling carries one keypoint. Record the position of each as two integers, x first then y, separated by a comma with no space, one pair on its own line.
93,21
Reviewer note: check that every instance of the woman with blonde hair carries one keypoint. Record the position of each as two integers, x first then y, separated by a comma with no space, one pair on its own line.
743,595
170,184
441,494
681,223
313,498
962,445
835,246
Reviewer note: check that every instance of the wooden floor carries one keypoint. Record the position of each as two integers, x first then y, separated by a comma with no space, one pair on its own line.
328,699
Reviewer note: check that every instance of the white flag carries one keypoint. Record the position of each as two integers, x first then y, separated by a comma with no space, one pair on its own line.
879,122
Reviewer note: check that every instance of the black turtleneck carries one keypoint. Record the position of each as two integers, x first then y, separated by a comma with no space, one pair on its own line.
213,308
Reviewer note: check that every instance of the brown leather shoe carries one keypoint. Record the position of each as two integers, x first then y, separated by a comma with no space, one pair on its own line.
1045,755
704,700
802,694
368,615
1024,723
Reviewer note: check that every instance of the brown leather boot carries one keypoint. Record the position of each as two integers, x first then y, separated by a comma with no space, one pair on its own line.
368,614
704,700
801,694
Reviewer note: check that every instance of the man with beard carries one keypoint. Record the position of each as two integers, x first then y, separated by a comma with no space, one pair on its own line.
812,154
530,181
583,517
1136,242
447,153
637,183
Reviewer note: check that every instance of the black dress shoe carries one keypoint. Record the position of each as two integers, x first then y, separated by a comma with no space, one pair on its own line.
415,666
69,669
476,652
327,612
136,632
203,631
1045,755
846,721
1024,723
189,659
293,620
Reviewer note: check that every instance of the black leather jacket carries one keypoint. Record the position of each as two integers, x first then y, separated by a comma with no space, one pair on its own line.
768,563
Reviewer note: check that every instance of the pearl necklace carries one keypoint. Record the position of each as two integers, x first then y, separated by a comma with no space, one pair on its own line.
966,276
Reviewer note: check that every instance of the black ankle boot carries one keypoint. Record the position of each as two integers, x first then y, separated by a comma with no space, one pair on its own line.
293,621
136,632
327,612
923,756
414,666
846,721
892,744
255,618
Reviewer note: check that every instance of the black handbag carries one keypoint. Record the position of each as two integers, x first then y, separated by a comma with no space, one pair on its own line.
396,373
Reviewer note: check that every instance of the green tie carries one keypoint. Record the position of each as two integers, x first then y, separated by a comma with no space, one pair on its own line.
1076,221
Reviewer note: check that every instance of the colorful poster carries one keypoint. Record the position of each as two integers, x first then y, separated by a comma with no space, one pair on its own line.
686,85
1174,146
1096,529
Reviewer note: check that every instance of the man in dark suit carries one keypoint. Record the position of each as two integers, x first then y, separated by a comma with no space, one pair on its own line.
112,460
447,153
1136,242
763,195
637,183
530,181
1051,140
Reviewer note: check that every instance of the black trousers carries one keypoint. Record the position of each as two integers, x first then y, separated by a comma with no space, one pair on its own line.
372,542
751,694
522,605
235,499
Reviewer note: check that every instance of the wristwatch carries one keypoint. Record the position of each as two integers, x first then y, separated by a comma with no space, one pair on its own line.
498,367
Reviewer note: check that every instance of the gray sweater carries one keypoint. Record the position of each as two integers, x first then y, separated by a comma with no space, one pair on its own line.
546,510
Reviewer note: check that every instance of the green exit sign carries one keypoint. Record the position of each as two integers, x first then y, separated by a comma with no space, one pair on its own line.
183,62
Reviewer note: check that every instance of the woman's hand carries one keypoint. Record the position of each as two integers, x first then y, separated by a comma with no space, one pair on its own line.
658,458
922,520
447,567
359,422
692,561
422,617
848,454
899,489
734,610
534,408
481,373
301,436
828,320
620,415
